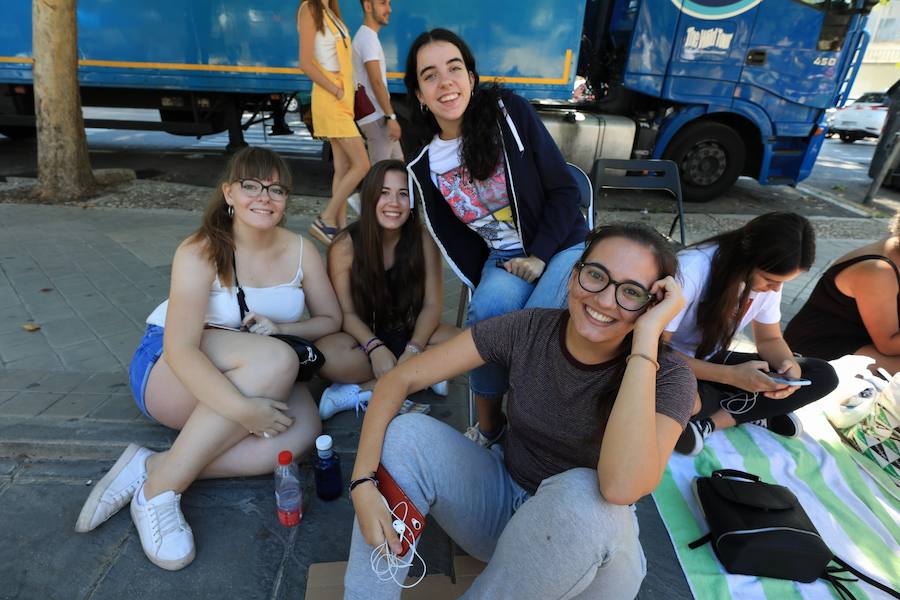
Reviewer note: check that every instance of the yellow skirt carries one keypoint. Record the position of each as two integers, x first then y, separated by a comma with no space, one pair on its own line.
333,118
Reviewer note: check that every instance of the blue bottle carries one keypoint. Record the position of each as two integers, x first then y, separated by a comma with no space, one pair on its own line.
329,483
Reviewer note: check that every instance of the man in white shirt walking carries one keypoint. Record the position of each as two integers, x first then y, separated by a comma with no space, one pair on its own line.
381,128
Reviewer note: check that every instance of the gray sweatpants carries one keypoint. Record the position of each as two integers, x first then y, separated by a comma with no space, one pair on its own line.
379,145
564,542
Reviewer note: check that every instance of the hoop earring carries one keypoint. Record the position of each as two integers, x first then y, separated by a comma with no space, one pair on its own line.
230,211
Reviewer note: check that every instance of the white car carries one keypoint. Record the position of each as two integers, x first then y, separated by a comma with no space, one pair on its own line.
864,118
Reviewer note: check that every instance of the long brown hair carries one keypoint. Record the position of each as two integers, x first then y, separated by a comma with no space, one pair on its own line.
385,300
216,228
317,10
776,242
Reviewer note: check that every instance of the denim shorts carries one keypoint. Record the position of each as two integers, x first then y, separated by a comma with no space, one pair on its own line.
148,352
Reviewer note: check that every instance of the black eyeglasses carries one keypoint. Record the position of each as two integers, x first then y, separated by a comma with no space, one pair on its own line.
594,278
254,187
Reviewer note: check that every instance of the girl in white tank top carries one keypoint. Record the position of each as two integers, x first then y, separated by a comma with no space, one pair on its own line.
233,394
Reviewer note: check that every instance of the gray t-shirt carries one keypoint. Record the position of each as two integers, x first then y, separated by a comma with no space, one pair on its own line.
556,416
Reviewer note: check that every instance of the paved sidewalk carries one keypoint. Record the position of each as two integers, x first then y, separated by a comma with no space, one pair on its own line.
88,279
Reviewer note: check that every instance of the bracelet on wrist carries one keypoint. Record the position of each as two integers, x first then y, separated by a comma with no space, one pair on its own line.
373,348
370,342
414,348
644,356
362,480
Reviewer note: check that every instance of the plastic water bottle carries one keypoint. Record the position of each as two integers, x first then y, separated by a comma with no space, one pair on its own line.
329,482
288,496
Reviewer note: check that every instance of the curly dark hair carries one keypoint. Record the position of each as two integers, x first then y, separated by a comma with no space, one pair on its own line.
481,136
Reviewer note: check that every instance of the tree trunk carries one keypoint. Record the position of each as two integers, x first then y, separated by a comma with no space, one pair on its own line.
64,170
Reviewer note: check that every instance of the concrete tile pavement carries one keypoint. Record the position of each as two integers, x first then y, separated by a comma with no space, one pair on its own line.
89,278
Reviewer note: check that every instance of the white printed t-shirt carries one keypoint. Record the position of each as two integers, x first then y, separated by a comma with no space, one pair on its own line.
366,48
482,205
694,266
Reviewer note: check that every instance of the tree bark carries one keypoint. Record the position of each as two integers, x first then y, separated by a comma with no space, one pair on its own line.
64,170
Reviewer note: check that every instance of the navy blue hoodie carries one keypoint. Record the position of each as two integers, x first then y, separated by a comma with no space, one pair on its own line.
543,196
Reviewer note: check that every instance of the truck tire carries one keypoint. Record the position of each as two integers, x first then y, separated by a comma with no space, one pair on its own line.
710,157
14,132
848,138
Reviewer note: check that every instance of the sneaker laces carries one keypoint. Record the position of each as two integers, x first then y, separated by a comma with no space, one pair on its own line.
167,517
760,423
705,427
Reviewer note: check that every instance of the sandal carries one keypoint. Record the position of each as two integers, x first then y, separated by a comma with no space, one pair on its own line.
322,232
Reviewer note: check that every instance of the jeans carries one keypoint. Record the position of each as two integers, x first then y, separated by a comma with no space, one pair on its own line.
500,292
745,406
564,542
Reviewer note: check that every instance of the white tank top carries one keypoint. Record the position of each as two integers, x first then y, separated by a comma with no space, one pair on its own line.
326,43
282,303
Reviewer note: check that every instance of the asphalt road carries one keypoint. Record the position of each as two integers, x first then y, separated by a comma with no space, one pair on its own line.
841,170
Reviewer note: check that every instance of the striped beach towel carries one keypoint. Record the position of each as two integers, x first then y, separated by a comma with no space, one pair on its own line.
857,513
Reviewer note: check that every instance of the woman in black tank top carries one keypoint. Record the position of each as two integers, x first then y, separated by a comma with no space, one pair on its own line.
388,279
855,307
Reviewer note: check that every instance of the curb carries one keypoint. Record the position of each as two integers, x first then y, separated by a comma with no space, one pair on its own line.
835,200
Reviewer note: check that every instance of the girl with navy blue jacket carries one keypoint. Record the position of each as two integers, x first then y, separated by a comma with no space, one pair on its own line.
497,197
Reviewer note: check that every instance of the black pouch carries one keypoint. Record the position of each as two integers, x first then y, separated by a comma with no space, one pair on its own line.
311,358
757,528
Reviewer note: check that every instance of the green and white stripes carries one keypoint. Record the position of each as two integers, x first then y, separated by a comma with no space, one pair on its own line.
858,517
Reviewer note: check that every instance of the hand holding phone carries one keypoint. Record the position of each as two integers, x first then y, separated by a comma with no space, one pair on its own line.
402,508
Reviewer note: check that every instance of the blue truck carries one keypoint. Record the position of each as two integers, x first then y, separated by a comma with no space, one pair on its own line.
722,87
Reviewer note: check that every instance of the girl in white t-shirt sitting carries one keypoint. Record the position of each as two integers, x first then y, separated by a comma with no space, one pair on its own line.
729,281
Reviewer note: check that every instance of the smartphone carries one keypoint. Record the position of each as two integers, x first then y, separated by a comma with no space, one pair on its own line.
402,508
785,380
223,327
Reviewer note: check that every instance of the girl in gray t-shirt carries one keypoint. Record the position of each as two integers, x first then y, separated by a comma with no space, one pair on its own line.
595,409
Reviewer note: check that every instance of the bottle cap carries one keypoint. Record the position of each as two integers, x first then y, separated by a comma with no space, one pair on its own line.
324,443
285,457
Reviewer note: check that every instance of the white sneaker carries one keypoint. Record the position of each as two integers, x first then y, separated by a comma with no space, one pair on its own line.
441,388
353,202
166,537
116,488
474,433
338,397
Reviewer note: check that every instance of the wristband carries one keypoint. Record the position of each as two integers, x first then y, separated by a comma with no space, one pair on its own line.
362,480
373,348
644,356
414,348
369,343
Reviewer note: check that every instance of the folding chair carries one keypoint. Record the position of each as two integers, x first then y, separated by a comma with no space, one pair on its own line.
642,175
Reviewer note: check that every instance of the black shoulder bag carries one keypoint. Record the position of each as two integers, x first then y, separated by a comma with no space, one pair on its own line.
757,528
311,359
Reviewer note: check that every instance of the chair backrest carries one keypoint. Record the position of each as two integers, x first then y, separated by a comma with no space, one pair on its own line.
585,192
650,174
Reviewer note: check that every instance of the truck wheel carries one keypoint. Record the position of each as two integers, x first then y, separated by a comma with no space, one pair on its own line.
847,138
18,133
710,156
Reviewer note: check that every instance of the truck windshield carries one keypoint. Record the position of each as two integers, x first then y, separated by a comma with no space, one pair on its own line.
836,21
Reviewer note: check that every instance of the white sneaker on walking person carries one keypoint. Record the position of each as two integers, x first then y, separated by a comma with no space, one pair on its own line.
116,488
166,538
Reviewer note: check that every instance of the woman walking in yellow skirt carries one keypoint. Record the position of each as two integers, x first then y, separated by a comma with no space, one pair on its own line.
325,57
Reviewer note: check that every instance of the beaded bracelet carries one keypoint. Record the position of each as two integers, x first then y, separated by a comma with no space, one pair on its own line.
644,356
414,348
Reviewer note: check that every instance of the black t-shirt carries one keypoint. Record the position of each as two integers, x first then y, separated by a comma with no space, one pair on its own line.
556,420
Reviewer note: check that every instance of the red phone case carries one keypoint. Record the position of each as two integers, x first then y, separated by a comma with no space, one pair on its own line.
414,520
